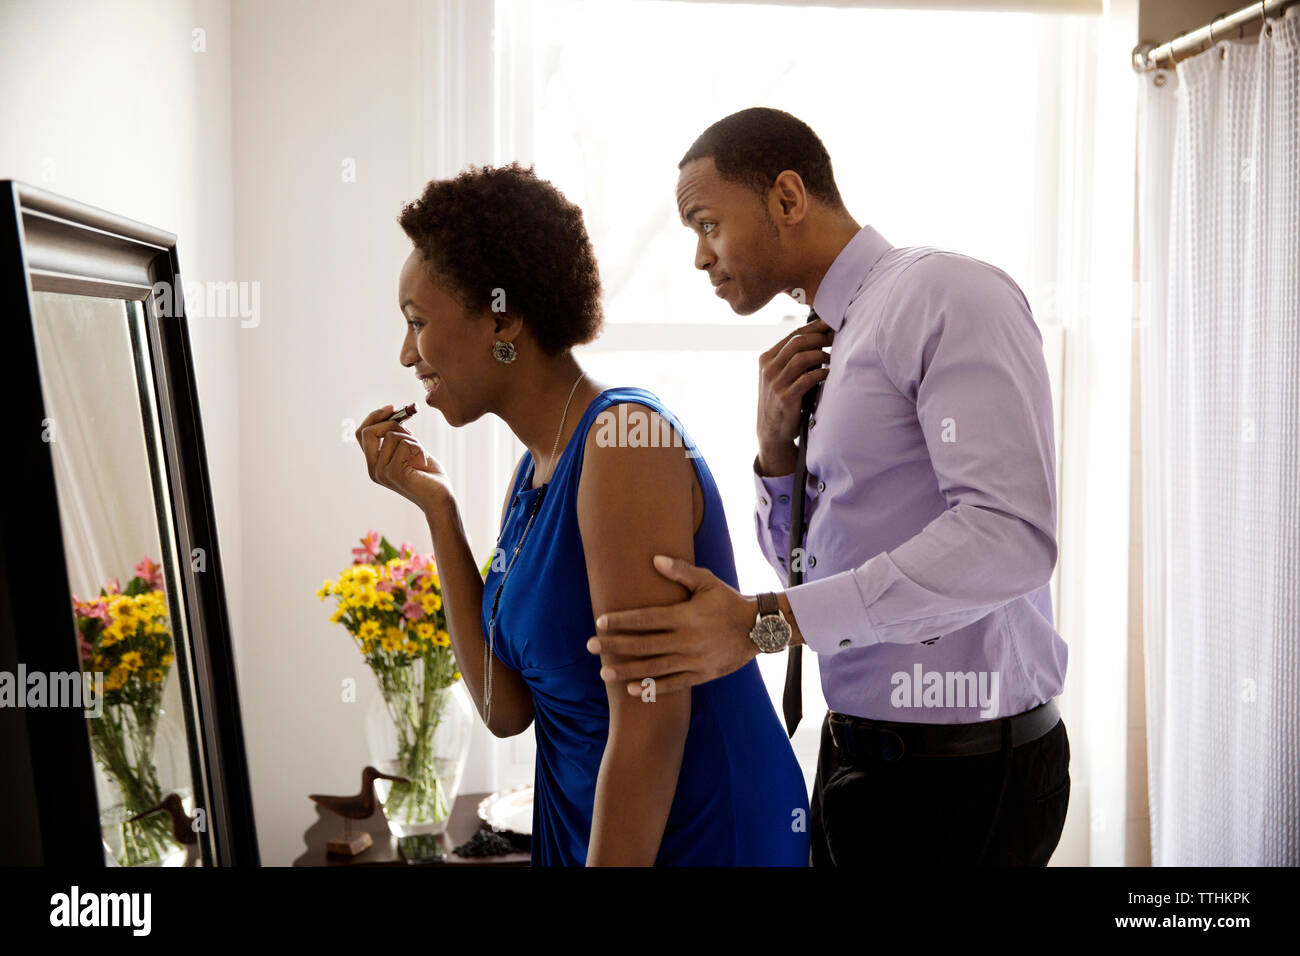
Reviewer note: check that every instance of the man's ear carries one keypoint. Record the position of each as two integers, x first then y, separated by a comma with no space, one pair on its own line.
791,197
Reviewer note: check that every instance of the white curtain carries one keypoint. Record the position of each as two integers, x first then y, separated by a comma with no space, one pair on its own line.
1219,182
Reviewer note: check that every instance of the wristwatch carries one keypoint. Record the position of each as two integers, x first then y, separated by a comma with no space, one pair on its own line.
771,630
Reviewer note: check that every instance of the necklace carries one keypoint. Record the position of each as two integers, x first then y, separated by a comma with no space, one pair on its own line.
496,600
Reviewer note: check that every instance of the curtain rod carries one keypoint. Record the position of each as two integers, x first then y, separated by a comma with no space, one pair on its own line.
1147,56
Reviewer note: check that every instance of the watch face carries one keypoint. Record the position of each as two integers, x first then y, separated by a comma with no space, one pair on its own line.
771,633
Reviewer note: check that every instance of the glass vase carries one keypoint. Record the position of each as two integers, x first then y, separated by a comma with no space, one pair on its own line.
135,770
428,743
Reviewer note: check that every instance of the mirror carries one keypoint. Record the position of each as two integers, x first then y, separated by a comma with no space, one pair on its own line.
121,741
101,427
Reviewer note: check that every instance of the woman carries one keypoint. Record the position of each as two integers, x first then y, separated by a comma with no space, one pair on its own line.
500,286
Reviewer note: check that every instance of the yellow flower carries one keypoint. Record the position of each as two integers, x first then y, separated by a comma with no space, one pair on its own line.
411,648
325,589
391,643
132,660
365,575
337,616
385,600
430,603
368,598
425,630
455,675
111,635
167,659
442,638
155,675
368,629
116,678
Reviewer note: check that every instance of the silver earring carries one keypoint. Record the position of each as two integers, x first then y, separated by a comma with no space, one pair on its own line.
504,352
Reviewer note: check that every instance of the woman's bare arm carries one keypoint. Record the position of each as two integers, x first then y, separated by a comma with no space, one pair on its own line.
462,596
634,503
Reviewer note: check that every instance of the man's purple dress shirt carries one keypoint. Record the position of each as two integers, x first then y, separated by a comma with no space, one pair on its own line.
931,497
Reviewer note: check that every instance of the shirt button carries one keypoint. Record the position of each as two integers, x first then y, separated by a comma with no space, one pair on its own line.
821,486
845,643
812,561
762,499
812,422
784,499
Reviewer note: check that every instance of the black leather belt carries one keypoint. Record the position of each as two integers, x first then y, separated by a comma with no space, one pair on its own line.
857,737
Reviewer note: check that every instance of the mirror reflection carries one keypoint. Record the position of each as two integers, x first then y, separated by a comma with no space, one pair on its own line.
99,436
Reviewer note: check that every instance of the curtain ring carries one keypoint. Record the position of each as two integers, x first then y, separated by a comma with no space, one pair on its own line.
1173,64
1267,29
1223,51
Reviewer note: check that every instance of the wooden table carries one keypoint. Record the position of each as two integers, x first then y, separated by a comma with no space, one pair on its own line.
463,824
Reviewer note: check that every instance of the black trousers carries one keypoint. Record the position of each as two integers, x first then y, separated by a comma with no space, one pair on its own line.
998,809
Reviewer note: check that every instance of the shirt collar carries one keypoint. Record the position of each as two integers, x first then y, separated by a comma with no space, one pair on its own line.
848,274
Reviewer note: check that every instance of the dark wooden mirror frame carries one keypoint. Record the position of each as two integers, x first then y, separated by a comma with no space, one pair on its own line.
49,813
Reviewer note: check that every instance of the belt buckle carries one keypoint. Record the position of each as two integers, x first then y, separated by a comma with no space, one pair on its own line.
891,752
883,751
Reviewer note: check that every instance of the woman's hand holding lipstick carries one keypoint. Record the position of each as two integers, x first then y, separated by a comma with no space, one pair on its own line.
396,459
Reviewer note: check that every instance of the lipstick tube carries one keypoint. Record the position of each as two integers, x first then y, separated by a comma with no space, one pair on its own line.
402,413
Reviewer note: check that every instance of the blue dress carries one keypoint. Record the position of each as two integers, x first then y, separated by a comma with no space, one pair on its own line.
741,798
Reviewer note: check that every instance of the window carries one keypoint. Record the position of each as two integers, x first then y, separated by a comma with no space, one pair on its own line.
605,97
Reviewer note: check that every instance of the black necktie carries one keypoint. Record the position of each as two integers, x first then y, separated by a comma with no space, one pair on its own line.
792,699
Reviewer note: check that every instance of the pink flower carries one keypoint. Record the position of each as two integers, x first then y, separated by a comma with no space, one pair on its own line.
369,549
87,651
412,610
150,573
405,548
112,587
419,562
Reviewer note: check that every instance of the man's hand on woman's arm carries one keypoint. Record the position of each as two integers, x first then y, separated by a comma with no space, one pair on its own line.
681,645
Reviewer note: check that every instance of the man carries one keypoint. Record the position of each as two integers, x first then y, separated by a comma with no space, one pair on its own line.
930,504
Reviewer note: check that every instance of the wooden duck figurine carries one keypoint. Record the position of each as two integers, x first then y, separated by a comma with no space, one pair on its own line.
357,807
182,825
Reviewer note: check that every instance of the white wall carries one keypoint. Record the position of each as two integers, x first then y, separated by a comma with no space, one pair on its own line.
315,85
110,105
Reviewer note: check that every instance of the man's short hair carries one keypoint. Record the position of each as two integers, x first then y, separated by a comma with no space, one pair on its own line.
754,146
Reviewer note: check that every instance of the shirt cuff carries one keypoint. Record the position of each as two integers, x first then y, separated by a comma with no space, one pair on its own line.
832,613
772,518
773,497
